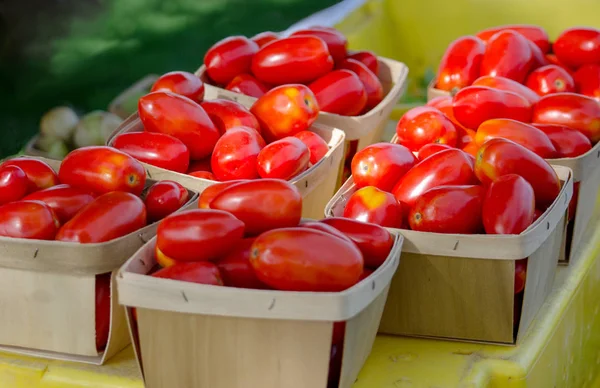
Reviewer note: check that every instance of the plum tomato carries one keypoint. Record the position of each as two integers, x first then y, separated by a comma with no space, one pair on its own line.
227,114
236,153
28,219
181,82
340,92
164,198
369,204
283,159
509,205
424,125
156,149
229,57
381,165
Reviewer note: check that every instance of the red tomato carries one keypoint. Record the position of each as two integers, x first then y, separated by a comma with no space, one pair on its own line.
263,38
366,273
179,117
424,125
283,159
200,165
285,111
248,85
578,46
64,200
450,167
369,80
552,60
181,82
327,229
301,259
102,313
212,191
162,259
28,219
537,214
101,170
40,174
335,364
229,57
463,134
203,175
509,205
538,57
297,59
368,58
199,234
508,85
374,241
236,269
461,63
370,204
381,165
340,92
520,275
573,110
569,142
432,148
509,55
448,209
535,34
156,149
227,114
164,198
499,157
200,273
317,146
587,80
236,153
524,134
336,42
471,149
475,104
13,184
110,216
550,79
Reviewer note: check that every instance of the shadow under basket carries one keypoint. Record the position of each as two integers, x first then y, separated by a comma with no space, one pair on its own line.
202,336
459,286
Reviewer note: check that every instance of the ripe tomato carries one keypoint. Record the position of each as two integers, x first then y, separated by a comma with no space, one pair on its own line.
162,259
508,85
509,205
200,165
448,209
229,57
569,142
553,60
573,110
156,149
374,241
13,184
236,269
301,259
536,34
587,81
101,170
200,273
28,219
450,167
283,159
227,114
368,58
463,134
212,191
369,80
263,38
64,200
203,175
336,42
432,148
461,63
471,149
499,157
236,153
381,165
327,229
369,204
40,174
164,198
285,111
297,59
424,125
102,310
248,85
340,92
179,117
537,214
524,134
578,46
181,82
507,54
475,104
520,275
538,57
317,146
199,235
550,79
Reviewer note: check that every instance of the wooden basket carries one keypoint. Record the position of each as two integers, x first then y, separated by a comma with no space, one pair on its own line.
47,294
191,335
143,85
459,286
32,150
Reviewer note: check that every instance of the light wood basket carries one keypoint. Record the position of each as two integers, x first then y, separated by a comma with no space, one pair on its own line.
459,286
116,105
47,294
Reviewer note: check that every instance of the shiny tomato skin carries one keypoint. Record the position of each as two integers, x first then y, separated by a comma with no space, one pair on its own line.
538,57
317,146
340,92
448,209
236,153
164,198
471,149
424,125
229,57
236,269
535,34
195,272
509,85
198,235
40,174
301,259
263,38
369,80
285,111
381,165
248,85
551,59
64,200
368,58
156,149
450,167
537,214
297,59
432,148
101,170
28,219
509,205
509,55
227,114
200,165
587,81
569,142
524,134
13,184
336,42
520,275
499,157
181,82
327,229
203,175
179,117
572,110
212,191
578,46
110,216
102,309
162,259
550,79
461,63
463,134
283,159
369,204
